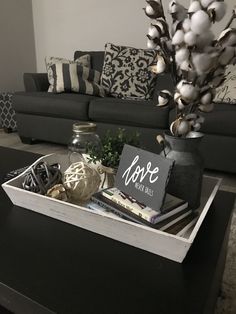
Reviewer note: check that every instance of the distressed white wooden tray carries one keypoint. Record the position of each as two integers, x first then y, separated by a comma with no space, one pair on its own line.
158,242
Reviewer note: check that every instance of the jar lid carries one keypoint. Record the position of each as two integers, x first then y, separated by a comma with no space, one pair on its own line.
84,127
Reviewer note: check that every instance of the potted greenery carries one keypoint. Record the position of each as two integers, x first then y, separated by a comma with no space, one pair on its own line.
108,155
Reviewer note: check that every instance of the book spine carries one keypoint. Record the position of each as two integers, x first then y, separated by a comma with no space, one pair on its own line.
113,210
150,217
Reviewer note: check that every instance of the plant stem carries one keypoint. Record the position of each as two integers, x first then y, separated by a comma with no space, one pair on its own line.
230,21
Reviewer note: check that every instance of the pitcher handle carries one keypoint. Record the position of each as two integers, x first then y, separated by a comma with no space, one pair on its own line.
164,145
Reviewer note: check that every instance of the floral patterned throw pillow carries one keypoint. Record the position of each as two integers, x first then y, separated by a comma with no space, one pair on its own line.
127,72
226,93
49,61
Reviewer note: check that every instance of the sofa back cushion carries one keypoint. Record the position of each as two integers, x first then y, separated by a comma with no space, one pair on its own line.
97,58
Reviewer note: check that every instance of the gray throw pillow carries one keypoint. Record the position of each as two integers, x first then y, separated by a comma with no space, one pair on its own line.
49,61
76,78
127,72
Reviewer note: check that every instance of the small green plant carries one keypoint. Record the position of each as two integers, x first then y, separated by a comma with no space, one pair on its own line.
112,146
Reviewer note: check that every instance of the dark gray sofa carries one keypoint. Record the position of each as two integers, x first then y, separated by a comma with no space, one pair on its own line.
49,117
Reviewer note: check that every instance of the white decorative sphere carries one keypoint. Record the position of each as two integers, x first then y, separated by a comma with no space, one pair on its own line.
81,181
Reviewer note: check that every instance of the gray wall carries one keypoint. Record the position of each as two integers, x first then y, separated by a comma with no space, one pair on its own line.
61,27
17,45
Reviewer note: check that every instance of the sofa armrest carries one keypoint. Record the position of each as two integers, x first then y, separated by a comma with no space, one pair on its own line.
36,82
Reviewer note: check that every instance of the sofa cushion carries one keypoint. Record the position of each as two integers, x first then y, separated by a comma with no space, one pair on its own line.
49,61
97,58
71,106
127,72
76,78
128,112
222,120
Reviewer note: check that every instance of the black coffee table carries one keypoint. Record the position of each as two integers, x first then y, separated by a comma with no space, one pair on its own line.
47,266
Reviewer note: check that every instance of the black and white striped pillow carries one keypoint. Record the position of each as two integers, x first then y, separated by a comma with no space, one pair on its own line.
76,78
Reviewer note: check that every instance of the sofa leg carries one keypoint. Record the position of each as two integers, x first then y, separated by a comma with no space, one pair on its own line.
27,140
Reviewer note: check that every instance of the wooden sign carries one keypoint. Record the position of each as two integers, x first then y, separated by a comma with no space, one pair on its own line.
143,175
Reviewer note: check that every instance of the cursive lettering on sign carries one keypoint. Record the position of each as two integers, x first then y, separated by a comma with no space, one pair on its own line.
133,173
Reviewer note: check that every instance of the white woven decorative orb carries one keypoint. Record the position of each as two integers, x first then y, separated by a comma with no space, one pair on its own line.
81,181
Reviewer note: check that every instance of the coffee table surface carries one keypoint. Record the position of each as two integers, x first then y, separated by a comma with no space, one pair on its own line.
49,266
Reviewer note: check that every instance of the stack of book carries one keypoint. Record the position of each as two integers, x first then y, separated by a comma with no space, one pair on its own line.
174,217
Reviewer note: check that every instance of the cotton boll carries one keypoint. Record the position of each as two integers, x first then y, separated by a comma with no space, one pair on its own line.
160,66
151,44
149,10
177,11
226,56
178,38
180,127
162,26
186,25
187,90
153,32
206,108
196,127
190,38
194,7
164,98
206,3
176,96
202,62
200,22
217,10
206,99
186,66
205,39
181,55
154,9
183,128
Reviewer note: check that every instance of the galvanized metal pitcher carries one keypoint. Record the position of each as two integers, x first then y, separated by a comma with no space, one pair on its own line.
186,176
